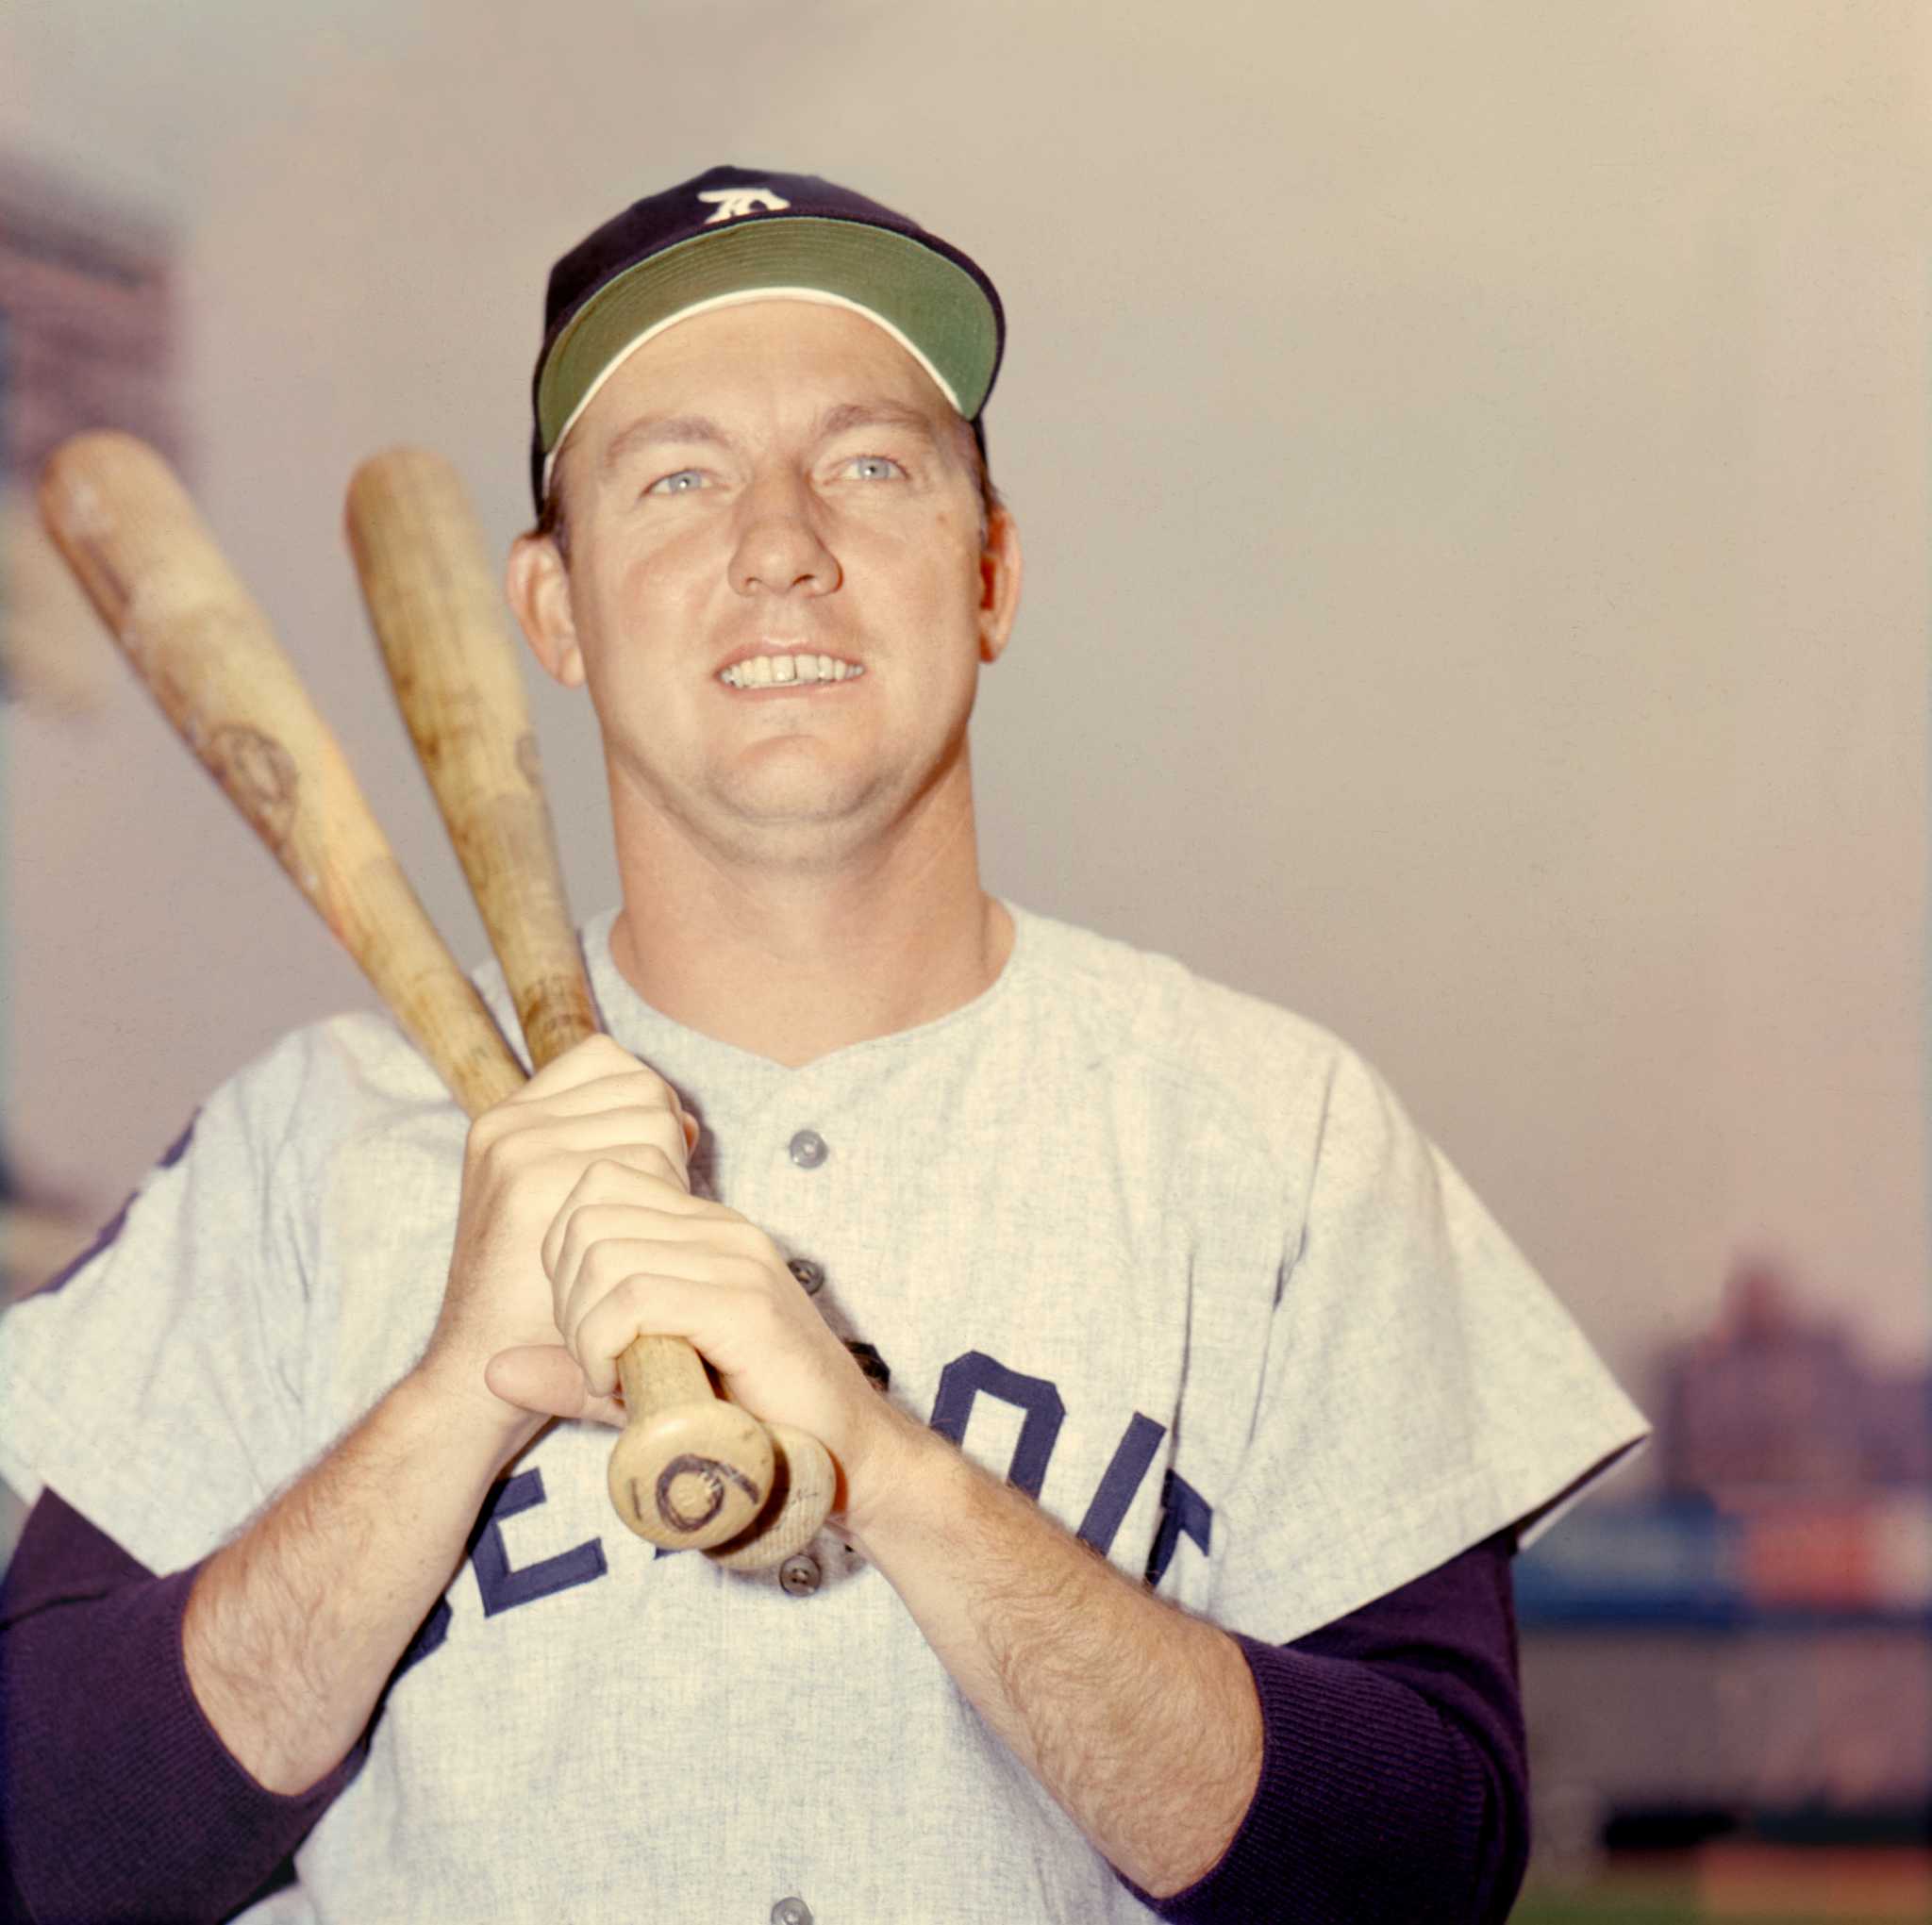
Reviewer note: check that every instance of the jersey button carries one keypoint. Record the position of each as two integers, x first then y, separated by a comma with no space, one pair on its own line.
790,1912
809,1273
807,1149
798,1577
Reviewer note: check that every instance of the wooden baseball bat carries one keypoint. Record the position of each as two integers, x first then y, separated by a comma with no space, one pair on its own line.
192,633
690,1470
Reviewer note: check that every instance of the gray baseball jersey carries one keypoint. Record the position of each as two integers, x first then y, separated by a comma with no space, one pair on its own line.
1175,1261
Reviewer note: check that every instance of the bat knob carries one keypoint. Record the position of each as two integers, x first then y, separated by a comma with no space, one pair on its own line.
804,1481
691,1475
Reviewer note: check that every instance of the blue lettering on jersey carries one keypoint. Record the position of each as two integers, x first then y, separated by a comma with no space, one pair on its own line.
960,1385
503,1587
1184,1513
429,1636
1120,1481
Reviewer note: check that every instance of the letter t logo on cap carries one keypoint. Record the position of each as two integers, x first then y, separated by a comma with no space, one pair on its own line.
735,201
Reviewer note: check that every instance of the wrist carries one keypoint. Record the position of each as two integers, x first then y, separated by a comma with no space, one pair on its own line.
894,1483
451,1396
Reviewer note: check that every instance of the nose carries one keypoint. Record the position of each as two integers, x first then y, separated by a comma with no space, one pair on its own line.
780,547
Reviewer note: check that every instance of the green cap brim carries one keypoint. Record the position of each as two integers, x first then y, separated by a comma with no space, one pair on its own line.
938,306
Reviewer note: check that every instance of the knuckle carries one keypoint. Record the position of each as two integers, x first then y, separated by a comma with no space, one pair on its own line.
748,1273
570,1238
651,1091
487,1129
605,1264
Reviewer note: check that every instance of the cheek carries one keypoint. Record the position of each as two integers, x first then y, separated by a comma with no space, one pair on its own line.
643,609
939,567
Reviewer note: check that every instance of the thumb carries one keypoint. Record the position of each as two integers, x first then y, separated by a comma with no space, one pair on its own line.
545,1378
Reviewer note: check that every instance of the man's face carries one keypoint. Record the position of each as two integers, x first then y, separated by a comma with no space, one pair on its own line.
776,590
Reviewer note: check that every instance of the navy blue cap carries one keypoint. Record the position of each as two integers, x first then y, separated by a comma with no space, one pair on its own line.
733,234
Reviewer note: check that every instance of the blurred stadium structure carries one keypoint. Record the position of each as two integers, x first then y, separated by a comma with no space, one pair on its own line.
89,337
87,294
1745,1654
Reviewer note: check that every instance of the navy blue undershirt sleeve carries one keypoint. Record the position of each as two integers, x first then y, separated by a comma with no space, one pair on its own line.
118,1800
1395,1781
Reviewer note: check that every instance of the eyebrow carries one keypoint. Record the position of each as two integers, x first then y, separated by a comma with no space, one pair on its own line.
654,430
868,414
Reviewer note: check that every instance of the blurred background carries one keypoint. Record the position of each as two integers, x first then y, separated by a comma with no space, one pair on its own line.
1473,468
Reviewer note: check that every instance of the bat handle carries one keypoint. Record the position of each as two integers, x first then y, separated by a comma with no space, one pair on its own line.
690,1470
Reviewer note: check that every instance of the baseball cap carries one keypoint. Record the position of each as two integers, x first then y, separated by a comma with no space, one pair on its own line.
734,234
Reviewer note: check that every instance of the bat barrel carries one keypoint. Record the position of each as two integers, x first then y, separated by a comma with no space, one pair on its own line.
205,650
434,604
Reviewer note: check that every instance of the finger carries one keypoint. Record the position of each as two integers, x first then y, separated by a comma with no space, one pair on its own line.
628,1083
725,1317
610,1264
513,1145
710,1237
545,1378
637,1178
599,1054
593,1065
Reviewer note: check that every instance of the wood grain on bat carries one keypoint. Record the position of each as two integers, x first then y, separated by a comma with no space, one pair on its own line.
434,603
194,635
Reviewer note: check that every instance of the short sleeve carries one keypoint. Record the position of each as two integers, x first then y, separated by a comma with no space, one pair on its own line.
1423,1387
157,1384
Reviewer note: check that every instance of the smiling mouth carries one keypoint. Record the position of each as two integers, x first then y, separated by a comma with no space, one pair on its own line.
781,672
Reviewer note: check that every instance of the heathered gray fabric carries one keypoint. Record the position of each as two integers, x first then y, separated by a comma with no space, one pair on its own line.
1144,1193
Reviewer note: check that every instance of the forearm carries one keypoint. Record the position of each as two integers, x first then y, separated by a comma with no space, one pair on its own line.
293,1630
1111,1698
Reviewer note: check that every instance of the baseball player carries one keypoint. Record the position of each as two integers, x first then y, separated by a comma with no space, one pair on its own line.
1170,1572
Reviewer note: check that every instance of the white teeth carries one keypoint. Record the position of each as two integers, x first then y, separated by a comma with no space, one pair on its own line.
765,671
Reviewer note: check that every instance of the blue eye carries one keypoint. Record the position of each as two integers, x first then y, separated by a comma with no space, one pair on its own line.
682,481
875,467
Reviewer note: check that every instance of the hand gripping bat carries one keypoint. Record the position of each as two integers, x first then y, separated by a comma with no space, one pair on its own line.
688,1468
134,541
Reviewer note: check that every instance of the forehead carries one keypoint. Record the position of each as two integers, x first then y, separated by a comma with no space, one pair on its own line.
771,360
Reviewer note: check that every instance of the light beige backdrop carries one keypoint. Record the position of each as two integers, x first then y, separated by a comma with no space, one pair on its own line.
1473,468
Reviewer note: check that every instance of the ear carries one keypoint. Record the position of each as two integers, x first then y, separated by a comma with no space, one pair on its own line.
999,568
537,584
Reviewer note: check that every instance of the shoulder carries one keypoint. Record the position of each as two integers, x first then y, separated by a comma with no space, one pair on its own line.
302,1096
1275,1076
357,1061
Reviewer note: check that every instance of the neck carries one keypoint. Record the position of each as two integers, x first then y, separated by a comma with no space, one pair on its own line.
793,959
